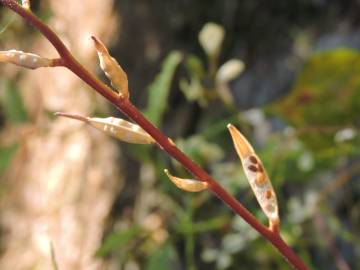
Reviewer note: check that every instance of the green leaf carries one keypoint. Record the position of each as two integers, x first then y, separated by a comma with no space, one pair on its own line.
325,98
193,89
12,104
6,155
160,88
162,259
195,66
117,240
200,150
186,226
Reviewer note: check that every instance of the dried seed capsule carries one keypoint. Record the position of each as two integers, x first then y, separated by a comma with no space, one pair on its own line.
187,184
257,176
112,69
115,127
27,60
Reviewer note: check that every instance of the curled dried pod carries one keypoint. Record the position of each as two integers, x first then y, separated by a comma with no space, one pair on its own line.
27,60
190,185
115,127
111,68
256,175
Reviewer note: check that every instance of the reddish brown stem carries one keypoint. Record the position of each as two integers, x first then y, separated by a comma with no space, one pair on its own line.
163,141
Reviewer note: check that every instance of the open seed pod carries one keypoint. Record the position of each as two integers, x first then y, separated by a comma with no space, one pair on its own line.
257,176
190,185
115,127
111,68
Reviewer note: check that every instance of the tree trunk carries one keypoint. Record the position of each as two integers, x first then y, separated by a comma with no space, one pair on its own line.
64,177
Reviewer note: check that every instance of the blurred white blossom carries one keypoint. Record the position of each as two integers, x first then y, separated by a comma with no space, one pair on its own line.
230,70
211,37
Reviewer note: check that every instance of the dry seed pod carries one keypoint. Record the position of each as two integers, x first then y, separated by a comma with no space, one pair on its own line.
27,60
187,184
115,127
112,69
257,176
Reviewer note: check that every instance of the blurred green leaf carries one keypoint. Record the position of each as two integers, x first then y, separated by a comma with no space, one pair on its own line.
160,88
200,150
188,226
117,240
193,89
6,154
12,104
195,66
325,98
162,259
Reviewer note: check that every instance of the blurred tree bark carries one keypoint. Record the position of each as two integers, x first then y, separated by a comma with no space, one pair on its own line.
63,180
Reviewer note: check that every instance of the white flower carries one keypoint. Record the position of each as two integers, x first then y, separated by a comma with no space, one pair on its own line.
211,37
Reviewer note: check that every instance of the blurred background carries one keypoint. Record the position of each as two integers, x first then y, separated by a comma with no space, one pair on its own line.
286,73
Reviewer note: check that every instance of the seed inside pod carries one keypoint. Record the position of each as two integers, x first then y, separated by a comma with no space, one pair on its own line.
253,159
253,168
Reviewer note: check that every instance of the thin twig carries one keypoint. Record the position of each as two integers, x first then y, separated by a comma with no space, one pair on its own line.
53,257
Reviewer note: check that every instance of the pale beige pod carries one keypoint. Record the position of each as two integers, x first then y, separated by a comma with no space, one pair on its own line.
256,175
27,60
111,68
115,127
190,185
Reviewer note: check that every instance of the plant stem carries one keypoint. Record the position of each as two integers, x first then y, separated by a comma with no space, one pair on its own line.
163,141
189,236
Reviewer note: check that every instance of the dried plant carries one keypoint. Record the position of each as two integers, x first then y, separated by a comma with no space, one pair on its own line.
145,132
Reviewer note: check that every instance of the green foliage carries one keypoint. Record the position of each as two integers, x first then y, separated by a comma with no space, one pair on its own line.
325,98
12,104
194,90
117,240
186,226
6,154
200,150
162,259
160,88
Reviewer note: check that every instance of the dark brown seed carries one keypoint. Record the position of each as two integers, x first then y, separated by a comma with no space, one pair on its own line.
252,168
253,159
